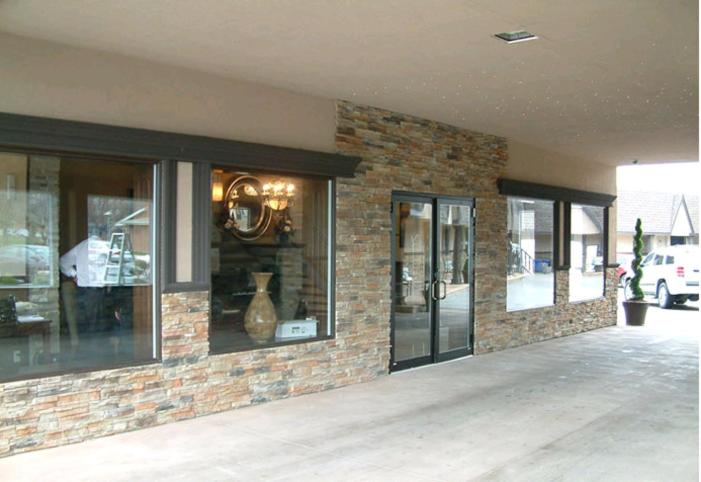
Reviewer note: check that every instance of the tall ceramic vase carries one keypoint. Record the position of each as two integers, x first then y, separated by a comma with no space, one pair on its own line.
260,320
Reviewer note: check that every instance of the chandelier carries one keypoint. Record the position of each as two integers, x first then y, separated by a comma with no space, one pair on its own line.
278,195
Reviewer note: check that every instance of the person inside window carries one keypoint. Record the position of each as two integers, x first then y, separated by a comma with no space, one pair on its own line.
82,285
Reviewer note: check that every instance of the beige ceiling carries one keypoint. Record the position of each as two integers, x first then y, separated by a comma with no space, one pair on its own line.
608,80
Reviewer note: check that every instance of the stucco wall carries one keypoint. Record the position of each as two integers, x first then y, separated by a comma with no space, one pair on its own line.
530,163
651,242
51,80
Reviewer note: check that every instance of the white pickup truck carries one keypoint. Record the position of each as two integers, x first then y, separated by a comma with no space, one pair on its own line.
670,274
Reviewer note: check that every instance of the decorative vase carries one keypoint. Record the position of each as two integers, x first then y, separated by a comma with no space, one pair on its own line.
260,320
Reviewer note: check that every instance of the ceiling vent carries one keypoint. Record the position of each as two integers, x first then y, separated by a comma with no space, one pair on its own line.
514,37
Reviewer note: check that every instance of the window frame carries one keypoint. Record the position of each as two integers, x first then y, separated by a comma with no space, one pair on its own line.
555,251
156,233
565,197
605,243
42,135
204,212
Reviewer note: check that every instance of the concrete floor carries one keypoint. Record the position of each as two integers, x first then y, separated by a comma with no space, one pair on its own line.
615,404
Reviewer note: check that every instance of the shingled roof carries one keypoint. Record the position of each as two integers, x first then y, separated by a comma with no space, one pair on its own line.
657,210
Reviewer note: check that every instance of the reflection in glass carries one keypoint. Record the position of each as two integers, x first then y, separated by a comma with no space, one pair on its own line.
26,257
586,252
75,263
412,286
529,268
290,243
454,277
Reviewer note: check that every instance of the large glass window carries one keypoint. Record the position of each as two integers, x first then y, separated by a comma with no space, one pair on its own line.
270,259
529,268
586,252
76,264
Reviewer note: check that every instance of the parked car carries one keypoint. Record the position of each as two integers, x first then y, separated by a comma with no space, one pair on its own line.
623,268
670,274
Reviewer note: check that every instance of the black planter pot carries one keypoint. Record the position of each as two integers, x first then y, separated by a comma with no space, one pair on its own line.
635,312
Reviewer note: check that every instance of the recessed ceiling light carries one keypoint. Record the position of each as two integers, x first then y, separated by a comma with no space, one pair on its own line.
514,37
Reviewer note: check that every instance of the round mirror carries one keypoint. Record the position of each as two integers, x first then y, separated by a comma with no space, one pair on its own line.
247,215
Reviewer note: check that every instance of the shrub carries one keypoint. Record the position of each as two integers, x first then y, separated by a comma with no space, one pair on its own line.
637,292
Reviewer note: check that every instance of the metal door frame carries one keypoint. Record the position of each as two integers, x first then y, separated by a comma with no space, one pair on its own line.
435,200
458,352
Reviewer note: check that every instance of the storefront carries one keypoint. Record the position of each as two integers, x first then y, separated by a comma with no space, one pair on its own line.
148,277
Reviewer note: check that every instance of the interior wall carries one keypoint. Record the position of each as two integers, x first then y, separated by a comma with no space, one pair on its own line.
53,80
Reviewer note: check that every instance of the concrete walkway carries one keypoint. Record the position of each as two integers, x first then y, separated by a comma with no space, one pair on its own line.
615,404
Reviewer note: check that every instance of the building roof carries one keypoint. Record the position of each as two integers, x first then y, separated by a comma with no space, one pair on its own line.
692,205
596,214
657,210
544,217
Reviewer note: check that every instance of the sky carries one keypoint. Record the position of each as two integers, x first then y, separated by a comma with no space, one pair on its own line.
675,178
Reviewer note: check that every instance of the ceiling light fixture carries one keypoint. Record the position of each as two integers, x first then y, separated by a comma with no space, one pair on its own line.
515,37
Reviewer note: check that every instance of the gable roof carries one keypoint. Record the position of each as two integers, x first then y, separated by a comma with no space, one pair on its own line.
692,205
657,210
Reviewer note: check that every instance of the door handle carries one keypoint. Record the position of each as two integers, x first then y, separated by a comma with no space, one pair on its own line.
445,290
433,291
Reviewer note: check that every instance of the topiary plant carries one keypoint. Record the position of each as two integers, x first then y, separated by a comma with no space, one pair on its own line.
637,292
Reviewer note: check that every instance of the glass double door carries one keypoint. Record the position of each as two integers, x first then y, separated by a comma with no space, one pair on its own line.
432,279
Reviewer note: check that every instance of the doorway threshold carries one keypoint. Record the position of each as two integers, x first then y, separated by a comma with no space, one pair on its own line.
429,365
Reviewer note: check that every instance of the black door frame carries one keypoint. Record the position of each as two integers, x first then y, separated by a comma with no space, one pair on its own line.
435,200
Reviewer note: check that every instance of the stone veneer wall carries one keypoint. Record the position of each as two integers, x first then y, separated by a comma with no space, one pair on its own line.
405,153
399,153
52,411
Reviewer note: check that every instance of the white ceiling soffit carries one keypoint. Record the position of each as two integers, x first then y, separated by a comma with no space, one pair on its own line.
606,80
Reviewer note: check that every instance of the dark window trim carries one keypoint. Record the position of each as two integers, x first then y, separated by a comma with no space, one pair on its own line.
556,247
331,302
605,254
511,187
168,185
184,287
566,251
137,363
272,345
201,222
60,135
157,259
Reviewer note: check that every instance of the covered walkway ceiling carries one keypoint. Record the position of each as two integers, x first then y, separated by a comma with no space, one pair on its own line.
607,80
